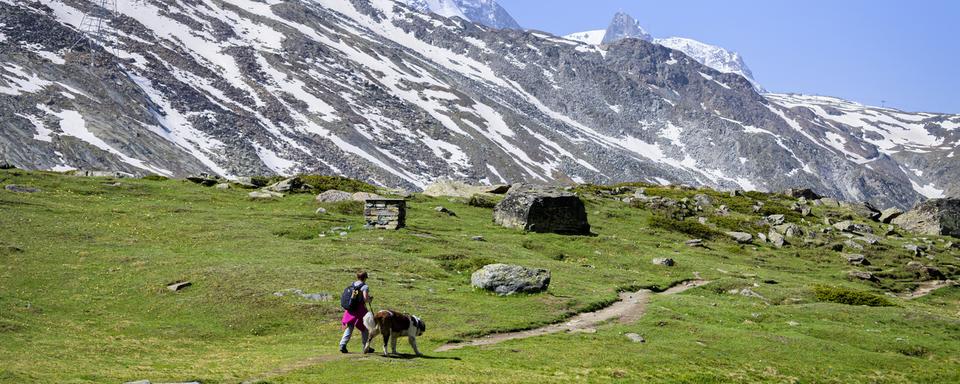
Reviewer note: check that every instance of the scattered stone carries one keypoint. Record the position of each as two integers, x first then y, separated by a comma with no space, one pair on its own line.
762,237
478,238
543,210
365,196
204,180
445,210
702,220
793,323
507,279
113,174
460,189
286,186
702,200
829,202
245,182
837,247
636,338
736,192
849,226
21,188
664,261
852,244
775,219
806,211
789,230
334,196
864,210
857,259
870,239
861,275
321,211
222,186
385,213
747,292
776,239
925,272
741,237
918,250
694,243
722,211
805,193
178,285
887,215
932,217
264,195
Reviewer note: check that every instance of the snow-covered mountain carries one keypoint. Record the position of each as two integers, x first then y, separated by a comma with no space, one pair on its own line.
624,26
485,12
375,90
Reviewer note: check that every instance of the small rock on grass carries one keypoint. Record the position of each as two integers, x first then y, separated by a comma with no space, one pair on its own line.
664,261
174,287
478,238
321,211
694,243
636,338
21,188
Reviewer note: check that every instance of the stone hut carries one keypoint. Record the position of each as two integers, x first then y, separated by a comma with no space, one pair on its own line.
542,209
385,213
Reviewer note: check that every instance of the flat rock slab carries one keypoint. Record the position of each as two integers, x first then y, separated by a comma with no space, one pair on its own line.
179,286
21,188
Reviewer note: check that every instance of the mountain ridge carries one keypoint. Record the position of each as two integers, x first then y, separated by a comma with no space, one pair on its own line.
375,91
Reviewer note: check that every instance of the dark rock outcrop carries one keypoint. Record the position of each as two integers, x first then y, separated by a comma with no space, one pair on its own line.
932,217
544,210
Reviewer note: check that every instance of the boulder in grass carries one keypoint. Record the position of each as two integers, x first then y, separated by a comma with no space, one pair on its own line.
264,195
664,261
932,217
924,272
364,196
861,275
741,237
505,279
887,215
334,196
776,239
286,186
542,210
775,219
805,193
21,189
856,259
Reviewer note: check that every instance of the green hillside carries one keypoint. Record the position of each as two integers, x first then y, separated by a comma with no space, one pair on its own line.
84,265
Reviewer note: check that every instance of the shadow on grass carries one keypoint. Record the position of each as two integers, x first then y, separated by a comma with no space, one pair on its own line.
408,356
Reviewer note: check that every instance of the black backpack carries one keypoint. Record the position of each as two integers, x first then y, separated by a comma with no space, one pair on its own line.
352,297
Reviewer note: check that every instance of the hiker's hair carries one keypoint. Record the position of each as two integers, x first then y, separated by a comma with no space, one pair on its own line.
362,275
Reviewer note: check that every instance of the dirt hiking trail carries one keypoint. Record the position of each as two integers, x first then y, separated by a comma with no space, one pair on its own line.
630,307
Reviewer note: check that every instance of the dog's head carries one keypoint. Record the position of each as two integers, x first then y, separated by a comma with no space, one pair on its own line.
421,326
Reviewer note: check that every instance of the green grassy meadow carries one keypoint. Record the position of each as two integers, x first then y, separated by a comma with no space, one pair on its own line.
84,265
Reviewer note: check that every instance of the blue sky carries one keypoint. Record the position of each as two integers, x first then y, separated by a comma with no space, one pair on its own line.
906,53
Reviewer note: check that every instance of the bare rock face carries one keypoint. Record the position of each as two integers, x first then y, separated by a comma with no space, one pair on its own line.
932,217
543,210
505,279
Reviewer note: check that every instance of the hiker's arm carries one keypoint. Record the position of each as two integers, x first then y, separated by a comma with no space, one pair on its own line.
366,297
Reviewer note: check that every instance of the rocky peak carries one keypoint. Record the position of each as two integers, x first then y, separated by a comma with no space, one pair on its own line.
625,26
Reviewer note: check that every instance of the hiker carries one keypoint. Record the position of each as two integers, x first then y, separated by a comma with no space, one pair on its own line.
355,299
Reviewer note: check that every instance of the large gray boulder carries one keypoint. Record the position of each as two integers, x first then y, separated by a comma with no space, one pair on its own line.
887,215
932,217
460,189
741,237
505,279
334,196
286,186
544,210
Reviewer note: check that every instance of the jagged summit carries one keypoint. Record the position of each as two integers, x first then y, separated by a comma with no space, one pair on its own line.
624,26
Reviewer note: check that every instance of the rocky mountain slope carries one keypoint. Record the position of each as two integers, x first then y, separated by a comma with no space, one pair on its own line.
374,90
485,12
624,26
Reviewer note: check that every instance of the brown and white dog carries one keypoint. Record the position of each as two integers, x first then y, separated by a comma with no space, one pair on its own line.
392,325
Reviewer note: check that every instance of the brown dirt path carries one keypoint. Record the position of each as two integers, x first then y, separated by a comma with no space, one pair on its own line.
630,307
927,287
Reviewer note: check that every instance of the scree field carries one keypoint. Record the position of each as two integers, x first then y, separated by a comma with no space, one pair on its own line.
85,264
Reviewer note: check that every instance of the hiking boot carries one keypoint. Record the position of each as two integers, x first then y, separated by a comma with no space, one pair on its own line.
369,350
343,349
